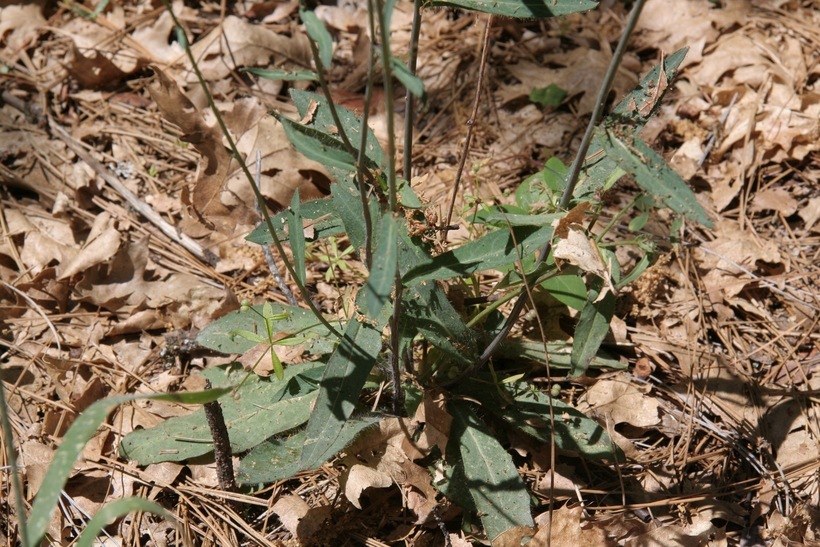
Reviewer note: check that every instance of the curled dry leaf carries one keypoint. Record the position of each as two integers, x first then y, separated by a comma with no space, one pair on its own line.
579,250
621,401
360,478
204,202
378,460
299,518
568,528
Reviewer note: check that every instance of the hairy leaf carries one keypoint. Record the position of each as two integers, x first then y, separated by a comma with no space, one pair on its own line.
262,408
339,391
496,487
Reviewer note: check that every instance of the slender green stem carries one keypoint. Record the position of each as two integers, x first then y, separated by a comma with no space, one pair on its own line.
572,180
617,217
257,193
477,318
384,29
410,100
360,163
395,320
11,460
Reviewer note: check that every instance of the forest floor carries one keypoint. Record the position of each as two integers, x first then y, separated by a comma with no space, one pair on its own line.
723,434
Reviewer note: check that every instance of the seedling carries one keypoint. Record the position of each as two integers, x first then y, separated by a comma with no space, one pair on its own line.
268,318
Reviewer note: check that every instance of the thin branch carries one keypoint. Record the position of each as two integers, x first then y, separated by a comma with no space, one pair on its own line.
485,50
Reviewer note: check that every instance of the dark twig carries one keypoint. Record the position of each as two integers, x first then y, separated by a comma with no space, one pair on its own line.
223,455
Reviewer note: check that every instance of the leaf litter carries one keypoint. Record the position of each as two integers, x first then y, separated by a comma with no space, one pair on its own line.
722,434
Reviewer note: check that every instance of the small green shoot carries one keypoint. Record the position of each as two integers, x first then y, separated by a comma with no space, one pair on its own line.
269,318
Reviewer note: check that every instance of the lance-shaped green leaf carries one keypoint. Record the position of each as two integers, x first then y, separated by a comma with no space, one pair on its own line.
347,203
83,428
412,82
653,174
382,277
591,329
601,170
277,459
521,8
339,390
279,74
426,311
495,250
314,108
319,34
319,215
496,487
297,238
529,411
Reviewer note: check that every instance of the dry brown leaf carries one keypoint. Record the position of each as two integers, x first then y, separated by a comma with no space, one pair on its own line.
581,251
301,520
621,401
36,458
568,528
361,477
102,244
513,537
730,256
774,199
154,40
96,71
432,412
700,532
283,169
238,43
581,72
380,452
19,26
810,213
204,202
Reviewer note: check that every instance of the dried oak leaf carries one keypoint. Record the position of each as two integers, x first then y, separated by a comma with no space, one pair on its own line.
238,43
621,401
204,202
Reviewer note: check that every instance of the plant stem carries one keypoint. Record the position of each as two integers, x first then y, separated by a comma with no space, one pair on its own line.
410,100
384,29
395,319
470,124
257,193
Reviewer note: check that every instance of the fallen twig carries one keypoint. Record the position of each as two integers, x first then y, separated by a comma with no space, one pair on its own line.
135,202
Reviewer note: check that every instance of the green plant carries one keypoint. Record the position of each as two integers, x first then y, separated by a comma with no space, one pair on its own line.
541,245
